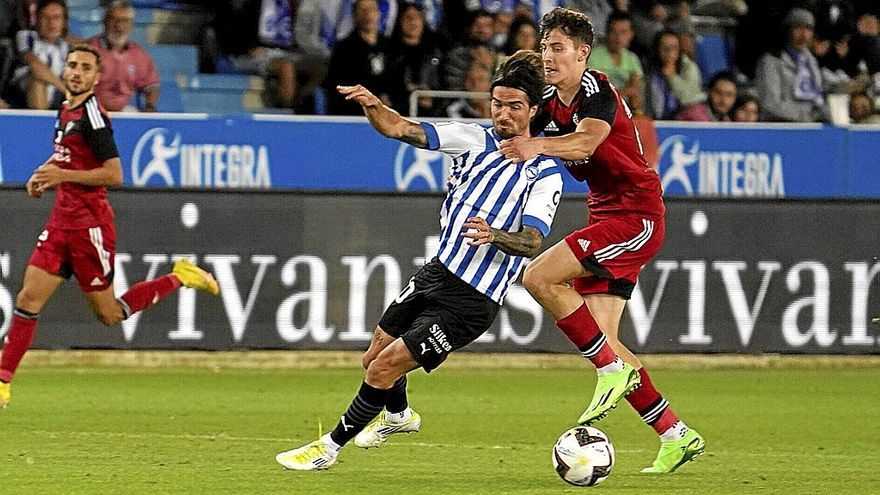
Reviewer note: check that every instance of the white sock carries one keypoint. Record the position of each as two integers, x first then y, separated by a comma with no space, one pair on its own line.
615,367
328,441
675,432
401,417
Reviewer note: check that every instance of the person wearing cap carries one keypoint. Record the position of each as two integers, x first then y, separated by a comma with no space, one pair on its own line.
790,83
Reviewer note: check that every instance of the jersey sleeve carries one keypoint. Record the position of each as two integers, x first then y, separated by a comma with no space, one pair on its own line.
541,205
98,133
599,100
454,138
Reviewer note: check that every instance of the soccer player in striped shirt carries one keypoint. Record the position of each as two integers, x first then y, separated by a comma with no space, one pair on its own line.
80,238
495,216
588,124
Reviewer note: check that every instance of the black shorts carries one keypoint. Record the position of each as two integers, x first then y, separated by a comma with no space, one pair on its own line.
437,313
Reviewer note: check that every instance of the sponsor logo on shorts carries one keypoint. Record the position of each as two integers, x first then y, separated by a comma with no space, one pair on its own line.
438,340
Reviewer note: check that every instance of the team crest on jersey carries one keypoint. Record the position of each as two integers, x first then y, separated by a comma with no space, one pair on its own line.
551,127
531,172
575,119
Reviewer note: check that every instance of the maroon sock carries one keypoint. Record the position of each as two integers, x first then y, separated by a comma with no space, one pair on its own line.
583,331
651,406
18,341
142,295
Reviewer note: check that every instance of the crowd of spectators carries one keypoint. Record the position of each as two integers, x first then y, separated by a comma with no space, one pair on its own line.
786,57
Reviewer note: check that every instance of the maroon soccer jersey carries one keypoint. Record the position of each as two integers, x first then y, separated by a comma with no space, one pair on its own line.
83,141
620,180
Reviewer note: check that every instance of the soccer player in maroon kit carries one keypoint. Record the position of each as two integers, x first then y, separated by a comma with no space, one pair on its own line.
589,126
80,238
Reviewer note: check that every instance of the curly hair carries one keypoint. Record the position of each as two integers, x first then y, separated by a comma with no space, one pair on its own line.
573,24
524,71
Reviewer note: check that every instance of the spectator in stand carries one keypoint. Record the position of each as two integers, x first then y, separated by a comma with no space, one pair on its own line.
721,91
622,66
478,79
361,58
790,82
722,95
256,36
458,60
861,109
414,59
674,82
746,109
866,42
523,35
37,83
126,69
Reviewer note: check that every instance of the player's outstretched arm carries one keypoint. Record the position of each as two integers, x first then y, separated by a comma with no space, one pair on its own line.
526,242
50,175
385,120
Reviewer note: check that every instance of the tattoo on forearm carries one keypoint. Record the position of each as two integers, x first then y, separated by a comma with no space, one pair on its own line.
415,136
526,243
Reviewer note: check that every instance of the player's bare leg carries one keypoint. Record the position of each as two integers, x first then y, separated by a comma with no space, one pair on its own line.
547,279
37,287
607,309
391,363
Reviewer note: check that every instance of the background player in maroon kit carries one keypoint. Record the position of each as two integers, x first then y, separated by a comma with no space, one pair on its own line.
80,238
590,127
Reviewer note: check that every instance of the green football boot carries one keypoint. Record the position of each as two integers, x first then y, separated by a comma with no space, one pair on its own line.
610,388
674,453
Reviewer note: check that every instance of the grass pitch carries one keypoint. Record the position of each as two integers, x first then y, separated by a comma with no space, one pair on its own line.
213,426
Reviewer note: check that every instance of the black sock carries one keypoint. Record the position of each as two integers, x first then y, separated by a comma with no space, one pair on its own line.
396,401
367,404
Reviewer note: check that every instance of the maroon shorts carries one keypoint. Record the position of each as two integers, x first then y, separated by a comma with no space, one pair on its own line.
614,252
86,253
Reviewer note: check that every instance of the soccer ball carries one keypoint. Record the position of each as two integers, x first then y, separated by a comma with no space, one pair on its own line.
583,456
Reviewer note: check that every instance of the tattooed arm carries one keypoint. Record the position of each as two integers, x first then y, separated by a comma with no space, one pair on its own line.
384,119
526,242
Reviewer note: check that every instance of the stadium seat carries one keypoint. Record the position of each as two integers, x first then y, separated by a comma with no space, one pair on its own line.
221,81
173,60
212,100
224,66
169,97
714,54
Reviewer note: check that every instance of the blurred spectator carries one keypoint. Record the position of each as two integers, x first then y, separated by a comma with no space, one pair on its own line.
746,109
458,60
361,58
414,58
478,79
126,69
649,17
865,43
523,35
722,95
861,109
320,24
623,67
256,36
790,83
37,83
674,82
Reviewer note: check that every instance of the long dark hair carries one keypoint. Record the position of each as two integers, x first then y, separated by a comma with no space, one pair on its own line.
524,70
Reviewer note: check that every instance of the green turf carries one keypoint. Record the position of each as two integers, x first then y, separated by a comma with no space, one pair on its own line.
98,430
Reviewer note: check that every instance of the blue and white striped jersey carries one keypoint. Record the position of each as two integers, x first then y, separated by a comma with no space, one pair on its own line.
508,195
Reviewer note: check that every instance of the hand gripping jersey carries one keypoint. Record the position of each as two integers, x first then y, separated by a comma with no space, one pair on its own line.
83,141
620,180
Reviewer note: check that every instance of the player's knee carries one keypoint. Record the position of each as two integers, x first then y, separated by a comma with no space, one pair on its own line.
28,301
381,373
534,281
367,359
